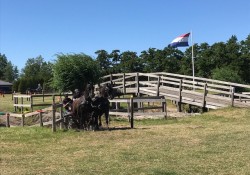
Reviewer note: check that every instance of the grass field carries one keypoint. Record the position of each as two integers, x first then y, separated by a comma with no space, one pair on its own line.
216,142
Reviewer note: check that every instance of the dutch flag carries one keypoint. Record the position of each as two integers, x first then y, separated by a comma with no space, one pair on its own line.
180,41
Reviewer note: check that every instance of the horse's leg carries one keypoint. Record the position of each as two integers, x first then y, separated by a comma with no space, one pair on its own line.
81,116
107,117
95,118
100,119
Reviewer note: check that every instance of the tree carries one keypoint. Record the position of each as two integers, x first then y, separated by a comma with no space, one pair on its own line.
11,72
8,71
33,67
130,62
22,86
148,60
245,60
116,59
3,64
226,74
37,71
103,61
74,71
203,61
171,61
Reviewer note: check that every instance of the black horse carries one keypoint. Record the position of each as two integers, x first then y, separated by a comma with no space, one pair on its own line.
100,104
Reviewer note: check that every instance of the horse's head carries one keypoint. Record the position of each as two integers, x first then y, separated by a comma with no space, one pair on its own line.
89,91
109,92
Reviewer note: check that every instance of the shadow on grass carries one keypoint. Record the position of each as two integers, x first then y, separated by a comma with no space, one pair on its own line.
123,128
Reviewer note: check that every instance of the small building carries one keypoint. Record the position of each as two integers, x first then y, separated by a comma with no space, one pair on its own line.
5,87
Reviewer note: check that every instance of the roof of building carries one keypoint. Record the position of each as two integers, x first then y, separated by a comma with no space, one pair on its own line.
4,83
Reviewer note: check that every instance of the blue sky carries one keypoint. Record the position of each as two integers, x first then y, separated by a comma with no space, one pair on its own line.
29,28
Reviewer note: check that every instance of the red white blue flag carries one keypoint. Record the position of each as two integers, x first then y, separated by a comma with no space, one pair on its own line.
180,41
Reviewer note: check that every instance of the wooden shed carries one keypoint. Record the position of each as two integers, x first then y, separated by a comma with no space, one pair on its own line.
5,87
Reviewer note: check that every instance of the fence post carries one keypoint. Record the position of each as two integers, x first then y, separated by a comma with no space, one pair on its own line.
22,104
15,108
53,99
132,112
8,120
137,84
124,84
53,118
61,117
111,78
164,107
41,118
22,122
180,97
43,94
232,96
31,102
128,105
158,87
204,98
13,95
230,90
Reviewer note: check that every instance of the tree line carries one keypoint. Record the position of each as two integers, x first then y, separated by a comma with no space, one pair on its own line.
226,61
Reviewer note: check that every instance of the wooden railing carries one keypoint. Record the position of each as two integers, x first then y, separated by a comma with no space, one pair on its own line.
203,92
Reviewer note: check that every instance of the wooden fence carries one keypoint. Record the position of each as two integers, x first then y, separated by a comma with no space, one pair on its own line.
53,122
136,107
202,92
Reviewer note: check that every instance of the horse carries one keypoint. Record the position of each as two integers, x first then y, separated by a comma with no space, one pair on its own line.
33,91
101,104
82,108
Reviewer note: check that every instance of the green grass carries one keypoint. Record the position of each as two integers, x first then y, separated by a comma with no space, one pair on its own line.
216,142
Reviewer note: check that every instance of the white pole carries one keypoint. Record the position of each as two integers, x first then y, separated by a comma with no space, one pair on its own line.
192,56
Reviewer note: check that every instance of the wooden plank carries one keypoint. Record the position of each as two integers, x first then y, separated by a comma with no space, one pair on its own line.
31,114
246,93
121,100
147,108
119,113
149,75
150,114
22,96
22,105
42,104
15,115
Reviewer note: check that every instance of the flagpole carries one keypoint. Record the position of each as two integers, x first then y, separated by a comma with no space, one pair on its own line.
192,57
